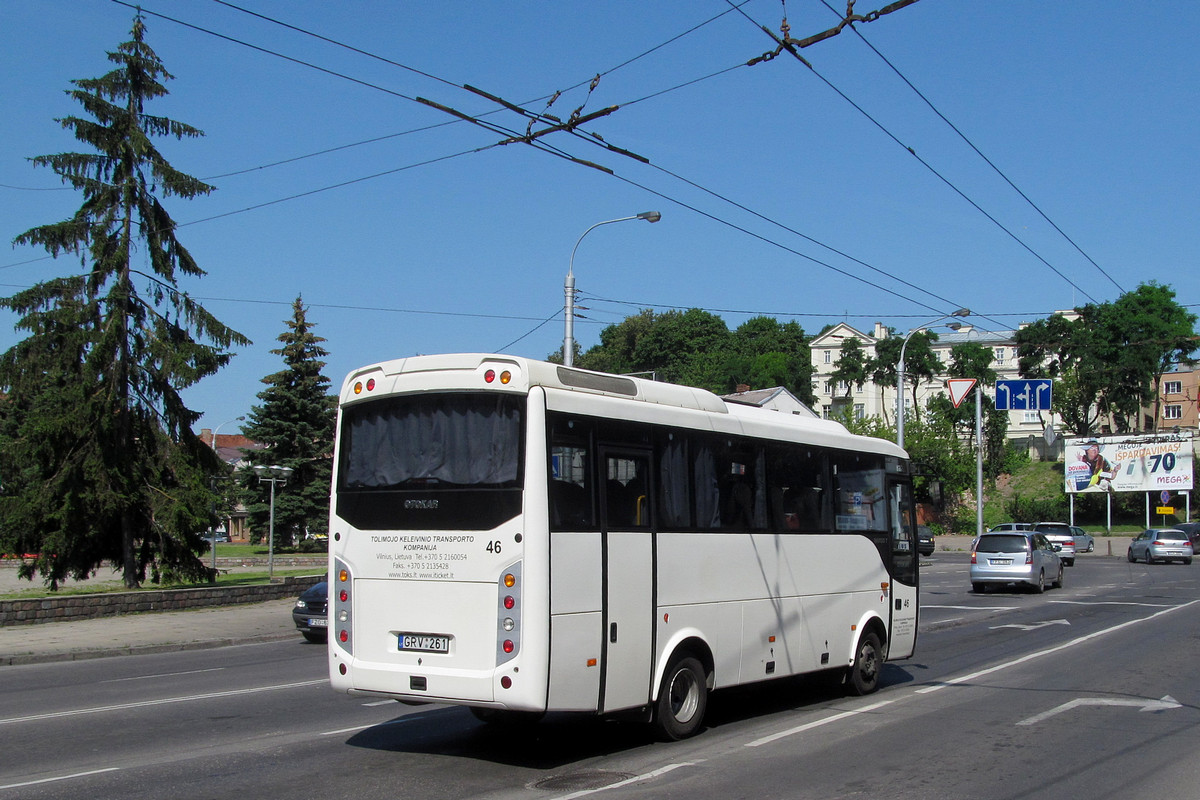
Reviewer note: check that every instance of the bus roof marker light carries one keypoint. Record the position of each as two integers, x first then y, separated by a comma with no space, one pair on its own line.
370,384
489,376
510,580
343,576
358,387
505,377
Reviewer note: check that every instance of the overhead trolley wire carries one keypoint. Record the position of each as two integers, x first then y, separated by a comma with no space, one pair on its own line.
790,46
978,152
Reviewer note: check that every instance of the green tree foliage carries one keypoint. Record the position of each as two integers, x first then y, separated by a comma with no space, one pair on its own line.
295,423
696,348
98,461
851,368
921,364
1108,361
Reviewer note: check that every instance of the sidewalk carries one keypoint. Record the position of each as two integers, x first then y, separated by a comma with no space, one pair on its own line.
159,632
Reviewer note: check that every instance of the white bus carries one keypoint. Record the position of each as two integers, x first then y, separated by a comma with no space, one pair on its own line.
521,537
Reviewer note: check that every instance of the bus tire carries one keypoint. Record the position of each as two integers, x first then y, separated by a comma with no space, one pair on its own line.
868,661
682,699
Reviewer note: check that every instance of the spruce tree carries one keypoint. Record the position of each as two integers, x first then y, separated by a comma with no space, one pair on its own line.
295,424
98,461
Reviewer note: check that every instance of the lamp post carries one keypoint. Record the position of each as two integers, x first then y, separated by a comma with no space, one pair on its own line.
569,284
273,475
213,531
962,312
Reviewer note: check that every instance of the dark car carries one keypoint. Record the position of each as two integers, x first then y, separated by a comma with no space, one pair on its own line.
309,613
1192,529
924,540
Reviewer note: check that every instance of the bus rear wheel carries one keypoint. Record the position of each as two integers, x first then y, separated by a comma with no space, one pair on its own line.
682,699
868,661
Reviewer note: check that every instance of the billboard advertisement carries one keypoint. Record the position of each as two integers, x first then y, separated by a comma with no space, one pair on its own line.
1135,463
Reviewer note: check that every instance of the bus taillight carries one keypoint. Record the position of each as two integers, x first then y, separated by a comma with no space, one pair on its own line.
341,617
508,628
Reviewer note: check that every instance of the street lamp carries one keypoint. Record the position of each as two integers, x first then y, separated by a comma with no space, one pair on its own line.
569,284
962,312
272,475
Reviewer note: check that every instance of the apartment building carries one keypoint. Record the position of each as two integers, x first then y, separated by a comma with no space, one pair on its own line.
873,400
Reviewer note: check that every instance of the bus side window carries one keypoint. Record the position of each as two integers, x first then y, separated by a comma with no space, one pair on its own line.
570,495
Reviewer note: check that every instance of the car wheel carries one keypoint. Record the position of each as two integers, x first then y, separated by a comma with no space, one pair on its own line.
1149,556
1091,547
979,588
1187,561
1070,562
1040,585
868,661
1129,556
682,699
315,637
1058,583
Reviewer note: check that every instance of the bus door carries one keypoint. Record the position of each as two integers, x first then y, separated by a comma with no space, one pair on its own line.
902,532
628,553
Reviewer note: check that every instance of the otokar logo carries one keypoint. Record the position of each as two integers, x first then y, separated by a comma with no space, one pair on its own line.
421,504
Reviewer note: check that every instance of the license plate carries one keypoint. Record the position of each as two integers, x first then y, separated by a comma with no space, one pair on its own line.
1001,562
424,643
318,622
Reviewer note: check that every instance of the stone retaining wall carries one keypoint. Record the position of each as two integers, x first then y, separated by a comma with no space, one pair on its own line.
90,606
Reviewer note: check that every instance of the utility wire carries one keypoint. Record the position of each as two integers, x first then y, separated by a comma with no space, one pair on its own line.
971,144
789,46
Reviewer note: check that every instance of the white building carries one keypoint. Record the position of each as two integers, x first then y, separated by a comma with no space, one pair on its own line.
873,400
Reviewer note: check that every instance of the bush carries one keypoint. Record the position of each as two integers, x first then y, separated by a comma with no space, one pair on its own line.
1036,509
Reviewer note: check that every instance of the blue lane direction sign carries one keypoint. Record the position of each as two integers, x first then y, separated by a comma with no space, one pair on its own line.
1023,395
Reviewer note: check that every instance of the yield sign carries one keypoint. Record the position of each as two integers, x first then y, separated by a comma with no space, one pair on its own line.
959,388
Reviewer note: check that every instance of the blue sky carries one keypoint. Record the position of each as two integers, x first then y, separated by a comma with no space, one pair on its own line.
1090,111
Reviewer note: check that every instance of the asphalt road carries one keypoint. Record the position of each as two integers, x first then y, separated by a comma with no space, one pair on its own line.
1084,691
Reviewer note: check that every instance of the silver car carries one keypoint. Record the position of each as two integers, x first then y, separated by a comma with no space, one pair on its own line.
1059,533
1025,557
1161,544
1084,541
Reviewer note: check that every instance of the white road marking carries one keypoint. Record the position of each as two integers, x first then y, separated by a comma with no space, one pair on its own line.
59,778
818,723
635,779
163,702
1167,702
1038,654
163,675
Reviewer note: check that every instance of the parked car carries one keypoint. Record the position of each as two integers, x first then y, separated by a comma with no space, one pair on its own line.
1161,544
310,612
1084,542
1011,526
1060,533
924,540
1007,557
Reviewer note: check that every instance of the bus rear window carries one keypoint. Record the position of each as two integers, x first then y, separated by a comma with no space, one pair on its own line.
433,462
433,442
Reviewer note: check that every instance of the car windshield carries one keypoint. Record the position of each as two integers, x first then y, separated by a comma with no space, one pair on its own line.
1002,544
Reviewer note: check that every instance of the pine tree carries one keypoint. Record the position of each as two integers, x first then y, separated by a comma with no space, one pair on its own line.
98,461
295,423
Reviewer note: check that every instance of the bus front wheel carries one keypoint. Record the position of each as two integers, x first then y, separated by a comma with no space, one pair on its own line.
868,661
682,699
